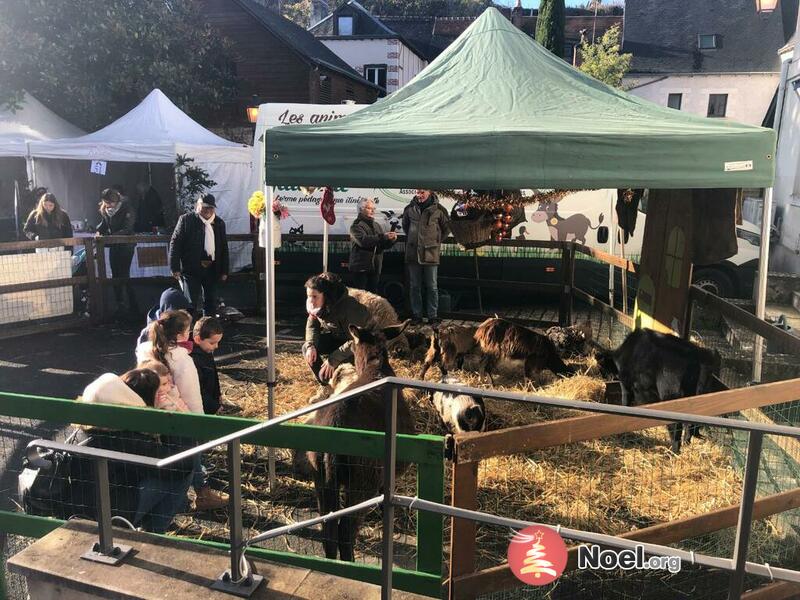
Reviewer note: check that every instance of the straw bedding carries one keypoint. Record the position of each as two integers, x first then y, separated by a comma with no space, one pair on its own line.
612,485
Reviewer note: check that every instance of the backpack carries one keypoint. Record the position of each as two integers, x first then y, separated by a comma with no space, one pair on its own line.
47,485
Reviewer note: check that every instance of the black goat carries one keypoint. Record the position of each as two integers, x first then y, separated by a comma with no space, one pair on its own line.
653,367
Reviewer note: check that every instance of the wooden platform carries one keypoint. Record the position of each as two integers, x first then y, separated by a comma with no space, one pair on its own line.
162,568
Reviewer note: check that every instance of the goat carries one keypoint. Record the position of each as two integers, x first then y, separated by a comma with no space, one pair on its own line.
572,340
354,479
448,346
499,338
653,367
459,412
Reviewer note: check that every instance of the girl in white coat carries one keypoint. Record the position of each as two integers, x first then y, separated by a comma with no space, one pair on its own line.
165,337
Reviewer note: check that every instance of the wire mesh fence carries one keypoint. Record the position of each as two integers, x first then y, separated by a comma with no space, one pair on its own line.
170,499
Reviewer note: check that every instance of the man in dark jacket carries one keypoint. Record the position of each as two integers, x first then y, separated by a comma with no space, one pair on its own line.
198,253
369,242
426,224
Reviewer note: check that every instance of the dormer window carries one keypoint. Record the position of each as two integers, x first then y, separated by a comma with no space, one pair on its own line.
708,41
345,25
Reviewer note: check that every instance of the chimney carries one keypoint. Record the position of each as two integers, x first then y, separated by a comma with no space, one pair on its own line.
516,15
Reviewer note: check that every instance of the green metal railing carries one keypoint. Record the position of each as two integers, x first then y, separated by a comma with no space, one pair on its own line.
426,451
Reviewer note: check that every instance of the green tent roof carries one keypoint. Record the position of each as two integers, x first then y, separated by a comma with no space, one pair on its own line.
497,110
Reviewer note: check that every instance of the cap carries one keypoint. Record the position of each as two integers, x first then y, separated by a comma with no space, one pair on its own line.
209,200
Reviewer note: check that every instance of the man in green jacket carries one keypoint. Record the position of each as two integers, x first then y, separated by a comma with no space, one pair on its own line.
426,224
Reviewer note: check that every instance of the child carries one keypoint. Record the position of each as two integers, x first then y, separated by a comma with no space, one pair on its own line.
166,338
171,299
207,334
167,397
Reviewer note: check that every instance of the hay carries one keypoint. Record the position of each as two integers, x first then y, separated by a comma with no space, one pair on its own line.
612,485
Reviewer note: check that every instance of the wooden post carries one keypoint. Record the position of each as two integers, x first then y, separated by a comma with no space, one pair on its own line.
96,304
101,277
568,279
462,531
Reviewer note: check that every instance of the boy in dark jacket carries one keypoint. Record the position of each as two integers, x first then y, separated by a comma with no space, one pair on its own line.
207,334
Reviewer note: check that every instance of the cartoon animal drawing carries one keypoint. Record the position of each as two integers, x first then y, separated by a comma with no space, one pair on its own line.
296,230
394,220
573,228
522,233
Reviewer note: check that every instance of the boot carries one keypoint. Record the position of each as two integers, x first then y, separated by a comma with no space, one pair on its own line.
210,499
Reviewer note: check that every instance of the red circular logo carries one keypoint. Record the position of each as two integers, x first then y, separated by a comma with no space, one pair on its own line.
537,555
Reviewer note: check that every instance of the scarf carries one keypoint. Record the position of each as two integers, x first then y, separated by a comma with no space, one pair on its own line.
314,312
188,345
112,211
208,243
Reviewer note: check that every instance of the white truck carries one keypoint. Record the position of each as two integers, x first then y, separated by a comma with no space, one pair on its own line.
588,217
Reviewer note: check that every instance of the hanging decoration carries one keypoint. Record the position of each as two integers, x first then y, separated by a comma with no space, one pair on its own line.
326,207
481,217
257,207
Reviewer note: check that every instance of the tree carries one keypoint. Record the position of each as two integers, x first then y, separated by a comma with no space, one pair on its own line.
550,26
93,60
603,60
428,8
299,12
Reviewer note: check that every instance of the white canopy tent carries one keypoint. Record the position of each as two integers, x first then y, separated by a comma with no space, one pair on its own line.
33,122
155,131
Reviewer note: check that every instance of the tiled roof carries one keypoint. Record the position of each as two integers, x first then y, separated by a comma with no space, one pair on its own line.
662,36
303,42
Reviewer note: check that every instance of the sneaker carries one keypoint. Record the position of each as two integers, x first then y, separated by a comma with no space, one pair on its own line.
210,499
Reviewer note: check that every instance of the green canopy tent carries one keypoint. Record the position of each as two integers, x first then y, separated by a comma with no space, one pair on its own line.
497,110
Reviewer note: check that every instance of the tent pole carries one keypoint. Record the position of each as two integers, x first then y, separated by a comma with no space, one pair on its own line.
16,208
269,296
325,247
612,238
763,272
150,174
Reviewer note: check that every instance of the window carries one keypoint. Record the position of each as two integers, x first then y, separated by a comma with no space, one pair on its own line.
717,105
708,41
324,89
376,74
673,257
674,101
345,25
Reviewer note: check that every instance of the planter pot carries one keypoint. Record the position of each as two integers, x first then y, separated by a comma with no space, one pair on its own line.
276,233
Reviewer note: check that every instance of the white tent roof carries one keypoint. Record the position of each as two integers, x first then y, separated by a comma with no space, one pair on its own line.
33,122
155,131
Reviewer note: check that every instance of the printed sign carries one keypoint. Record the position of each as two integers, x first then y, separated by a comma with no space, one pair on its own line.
739,165
98,167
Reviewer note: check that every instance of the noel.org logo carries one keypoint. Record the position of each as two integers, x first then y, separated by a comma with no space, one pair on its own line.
537,555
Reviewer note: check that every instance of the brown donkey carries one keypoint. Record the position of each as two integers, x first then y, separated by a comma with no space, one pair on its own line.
341,480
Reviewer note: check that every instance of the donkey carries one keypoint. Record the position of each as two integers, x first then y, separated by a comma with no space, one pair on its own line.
499,338
341,480
570,229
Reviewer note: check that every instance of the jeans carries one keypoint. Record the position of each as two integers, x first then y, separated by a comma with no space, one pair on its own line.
160,498
327,343
119,258
366,281
206,283
419,275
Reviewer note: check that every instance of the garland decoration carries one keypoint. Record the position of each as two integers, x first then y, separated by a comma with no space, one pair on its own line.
493,213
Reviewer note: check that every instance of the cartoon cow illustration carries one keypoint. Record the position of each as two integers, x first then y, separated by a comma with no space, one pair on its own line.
573,228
